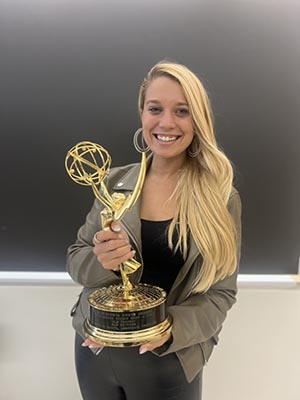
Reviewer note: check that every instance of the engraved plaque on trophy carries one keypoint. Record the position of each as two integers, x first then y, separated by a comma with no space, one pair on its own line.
124,314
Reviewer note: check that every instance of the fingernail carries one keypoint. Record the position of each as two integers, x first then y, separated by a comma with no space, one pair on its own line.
143,350
133,252
116,228
84,344
92,346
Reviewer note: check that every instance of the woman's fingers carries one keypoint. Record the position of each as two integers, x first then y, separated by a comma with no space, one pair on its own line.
111,245
112,248
110,256
92,345
115,227
153,345
103,236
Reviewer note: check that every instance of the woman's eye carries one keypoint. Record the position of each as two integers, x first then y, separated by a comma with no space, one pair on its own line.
182,112
154,110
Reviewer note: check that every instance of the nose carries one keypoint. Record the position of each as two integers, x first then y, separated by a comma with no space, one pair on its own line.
167,120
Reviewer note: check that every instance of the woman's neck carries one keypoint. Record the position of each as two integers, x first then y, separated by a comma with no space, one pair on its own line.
165,168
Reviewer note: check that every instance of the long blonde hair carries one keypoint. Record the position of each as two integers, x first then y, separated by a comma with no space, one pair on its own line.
204,186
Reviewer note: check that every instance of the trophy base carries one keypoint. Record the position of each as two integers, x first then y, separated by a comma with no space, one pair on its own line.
126,339
122,319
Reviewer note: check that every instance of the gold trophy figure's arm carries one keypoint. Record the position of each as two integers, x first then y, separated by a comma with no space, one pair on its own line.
107,202
132,198
106,193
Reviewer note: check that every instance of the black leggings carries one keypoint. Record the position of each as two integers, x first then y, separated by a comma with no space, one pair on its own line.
124,374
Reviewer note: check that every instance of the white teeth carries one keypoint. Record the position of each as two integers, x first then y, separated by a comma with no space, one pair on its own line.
166,138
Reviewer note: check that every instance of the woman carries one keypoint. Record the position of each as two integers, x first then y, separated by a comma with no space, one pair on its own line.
184,229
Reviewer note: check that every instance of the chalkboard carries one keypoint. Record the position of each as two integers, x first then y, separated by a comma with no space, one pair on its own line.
70,71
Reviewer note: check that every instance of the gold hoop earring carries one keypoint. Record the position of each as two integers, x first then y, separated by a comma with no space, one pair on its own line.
194,149
138,148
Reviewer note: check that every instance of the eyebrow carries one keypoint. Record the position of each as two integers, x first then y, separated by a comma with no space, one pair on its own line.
158,102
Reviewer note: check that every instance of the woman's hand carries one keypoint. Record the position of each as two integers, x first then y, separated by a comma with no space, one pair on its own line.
112,247
143,349
92,345
153,345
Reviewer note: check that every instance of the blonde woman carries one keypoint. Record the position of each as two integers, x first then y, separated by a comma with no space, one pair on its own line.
185,230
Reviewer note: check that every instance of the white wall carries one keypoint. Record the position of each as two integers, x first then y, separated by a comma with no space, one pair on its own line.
258,357
36,343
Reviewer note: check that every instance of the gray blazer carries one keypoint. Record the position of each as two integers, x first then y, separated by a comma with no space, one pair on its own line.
197,318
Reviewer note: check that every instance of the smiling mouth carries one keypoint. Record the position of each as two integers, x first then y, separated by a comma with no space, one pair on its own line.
166,138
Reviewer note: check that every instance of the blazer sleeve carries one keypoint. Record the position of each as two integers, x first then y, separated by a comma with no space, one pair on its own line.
82,264
201,316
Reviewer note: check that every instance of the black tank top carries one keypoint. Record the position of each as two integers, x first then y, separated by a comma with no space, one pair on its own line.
161,265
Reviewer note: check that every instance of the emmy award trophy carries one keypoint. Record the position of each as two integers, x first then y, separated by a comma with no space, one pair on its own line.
124,314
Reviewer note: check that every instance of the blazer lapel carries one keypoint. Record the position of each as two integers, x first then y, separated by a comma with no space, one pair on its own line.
186,268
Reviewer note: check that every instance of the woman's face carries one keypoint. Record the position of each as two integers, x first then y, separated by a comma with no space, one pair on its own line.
166,120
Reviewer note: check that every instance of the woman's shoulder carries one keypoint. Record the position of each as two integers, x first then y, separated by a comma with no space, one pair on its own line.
123,173
234,205
123,169
234,193
234,198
